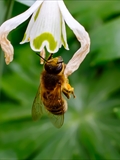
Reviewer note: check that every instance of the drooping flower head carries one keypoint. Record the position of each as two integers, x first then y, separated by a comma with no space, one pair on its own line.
47,29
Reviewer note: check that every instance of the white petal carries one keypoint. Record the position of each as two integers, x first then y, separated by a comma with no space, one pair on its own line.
46,30
63,36
26,37
7,48
82,37
11,24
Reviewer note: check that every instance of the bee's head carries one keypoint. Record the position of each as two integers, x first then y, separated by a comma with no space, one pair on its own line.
54,65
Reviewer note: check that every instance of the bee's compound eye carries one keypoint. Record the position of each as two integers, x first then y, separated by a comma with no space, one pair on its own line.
53,69
58,68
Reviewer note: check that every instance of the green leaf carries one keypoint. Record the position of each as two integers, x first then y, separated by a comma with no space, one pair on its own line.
106,44
27,3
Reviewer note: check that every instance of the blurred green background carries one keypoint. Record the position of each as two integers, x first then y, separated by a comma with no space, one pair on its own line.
91,129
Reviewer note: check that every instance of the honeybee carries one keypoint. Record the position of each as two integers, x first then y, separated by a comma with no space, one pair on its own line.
49,96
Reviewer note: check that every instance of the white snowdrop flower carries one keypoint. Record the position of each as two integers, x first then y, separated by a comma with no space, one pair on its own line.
47,29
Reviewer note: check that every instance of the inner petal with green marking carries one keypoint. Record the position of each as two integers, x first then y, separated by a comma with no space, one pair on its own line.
37,42
24,37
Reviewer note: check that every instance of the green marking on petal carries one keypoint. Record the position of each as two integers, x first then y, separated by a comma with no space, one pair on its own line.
63,42
37,13
37,42
62,37
24,37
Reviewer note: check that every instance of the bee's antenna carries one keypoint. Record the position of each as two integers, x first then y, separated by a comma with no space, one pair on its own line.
41,57
51,54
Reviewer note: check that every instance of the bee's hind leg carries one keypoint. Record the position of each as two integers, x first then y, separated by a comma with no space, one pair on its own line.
67,90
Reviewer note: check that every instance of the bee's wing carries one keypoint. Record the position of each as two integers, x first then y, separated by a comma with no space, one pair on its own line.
57,120
37,107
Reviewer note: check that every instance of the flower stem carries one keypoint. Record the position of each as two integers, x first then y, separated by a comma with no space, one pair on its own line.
9,9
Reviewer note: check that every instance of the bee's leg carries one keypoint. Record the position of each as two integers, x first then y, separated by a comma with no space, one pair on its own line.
50,56
67,90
